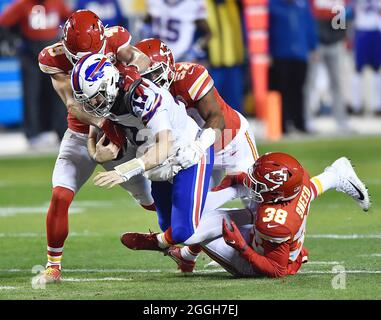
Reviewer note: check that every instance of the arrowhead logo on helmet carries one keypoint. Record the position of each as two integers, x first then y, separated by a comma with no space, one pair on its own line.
278,176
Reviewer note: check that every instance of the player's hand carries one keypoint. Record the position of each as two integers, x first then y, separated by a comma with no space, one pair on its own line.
108,179
114,132
105,153
188,156
132,74
233,236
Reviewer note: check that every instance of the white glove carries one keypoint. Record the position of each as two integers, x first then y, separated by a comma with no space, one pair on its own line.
188,156
191,154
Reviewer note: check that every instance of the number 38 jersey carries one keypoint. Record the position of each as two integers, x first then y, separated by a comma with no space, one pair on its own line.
283,223
192,82
52,60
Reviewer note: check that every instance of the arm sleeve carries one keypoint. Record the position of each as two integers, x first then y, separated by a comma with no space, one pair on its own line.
274,261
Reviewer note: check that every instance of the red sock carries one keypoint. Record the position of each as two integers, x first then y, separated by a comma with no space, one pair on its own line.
168,236
150,207
195,248
57,224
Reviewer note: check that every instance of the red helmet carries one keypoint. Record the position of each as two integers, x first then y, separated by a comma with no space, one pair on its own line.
275,177
83,33
162,68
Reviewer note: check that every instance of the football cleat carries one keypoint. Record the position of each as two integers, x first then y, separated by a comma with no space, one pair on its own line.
141,241
49,275
185,266
349,183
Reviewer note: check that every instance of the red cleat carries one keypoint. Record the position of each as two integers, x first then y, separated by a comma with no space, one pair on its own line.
185,266
141,241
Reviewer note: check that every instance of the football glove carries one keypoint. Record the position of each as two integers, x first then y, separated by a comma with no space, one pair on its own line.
233,236
131,74
114,133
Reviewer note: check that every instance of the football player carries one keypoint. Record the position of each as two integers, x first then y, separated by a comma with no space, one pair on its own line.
83,33
268,240
179,203
235,148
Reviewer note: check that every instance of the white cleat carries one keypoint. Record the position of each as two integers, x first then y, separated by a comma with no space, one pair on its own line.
349,183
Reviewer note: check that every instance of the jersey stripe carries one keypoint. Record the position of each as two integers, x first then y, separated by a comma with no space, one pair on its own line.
48,69
197,84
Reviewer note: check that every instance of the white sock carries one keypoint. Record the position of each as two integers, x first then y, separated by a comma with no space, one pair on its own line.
187,254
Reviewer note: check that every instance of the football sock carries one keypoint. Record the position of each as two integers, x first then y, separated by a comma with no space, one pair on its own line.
150,207
190,253
323,182
165,238
57,224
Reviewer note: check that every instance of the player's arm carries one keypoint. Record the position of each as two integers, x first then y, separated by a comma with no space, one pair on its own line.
153,157
98,151
276,254
210,111
61,84
133,57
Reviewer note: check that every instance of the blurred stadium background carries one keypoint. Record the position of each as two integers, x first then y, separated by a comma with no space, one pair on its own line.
253,49
265,56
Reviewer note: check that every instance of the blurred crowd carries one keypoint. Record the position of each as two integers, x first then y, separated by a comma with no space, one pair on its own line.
318,50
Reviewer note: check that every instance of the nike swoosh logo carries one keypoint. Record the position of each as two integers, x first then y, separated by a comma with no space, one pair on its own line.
272,226
361,195
232,242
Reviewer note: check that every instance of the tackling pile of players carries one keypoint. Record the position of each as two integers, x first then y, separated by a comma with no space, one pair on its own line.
160,128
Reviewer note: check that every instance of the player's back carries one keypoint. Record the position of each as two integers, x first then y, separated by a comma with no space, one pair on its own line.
283,222
159,109
192,82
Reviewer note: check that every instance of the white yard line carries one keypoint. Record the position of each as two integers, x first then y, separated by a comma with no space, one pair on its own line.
370,255
39,235
343,236
94,279
7,288
217,270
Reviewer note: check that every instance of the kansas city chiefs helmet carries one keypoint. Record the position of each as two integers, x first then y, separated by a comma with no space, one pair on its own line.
83,33
275,177
162,68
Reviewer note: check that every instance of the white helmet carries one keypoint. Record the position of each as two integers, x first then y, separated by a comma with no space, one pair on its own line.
94,81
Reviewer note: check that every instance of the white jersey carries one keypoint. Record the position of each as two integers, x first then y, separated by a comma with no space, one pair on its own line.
157,111
173,22
368,15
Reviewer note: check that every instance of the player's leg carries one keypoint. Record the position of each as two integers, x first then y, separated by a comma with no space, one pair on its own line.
162,195
73,167
209,229
341,176
229,258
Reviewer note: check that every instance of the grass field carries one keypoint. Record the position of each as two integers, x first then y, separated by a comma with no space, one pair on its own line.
97,266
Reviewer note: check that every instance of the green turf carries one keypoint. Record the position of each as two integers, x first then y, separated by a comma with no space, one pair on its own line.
93,251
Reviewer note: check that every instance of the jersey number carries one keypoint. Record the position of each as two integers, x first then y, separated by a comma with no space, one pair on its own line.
276,215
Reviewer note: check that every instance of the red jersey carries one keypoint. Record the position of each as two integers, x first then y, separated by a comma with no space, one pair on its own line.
279,230
192,82
39,20
326,9
52,60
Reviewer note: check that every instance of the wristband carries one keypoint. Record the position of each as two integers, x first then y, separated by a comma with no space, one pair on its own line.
130,168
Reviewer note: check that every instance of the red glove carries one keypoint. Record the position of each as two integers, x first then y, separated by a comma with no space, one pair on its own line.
114,132
131,74
230,180
233,236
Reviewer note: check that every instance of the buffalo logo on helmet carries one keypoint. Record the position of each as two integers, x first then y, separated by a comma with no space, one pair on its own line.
278,176
96,70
